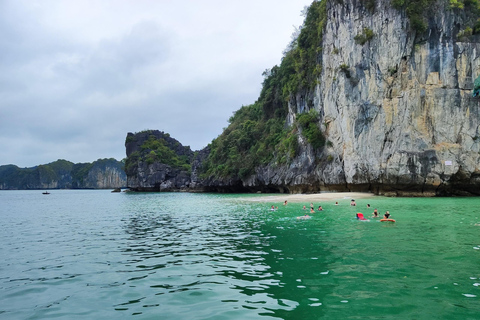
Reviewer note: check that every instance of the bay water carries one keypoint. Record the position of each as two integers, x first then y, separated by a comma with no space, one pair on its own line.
93,254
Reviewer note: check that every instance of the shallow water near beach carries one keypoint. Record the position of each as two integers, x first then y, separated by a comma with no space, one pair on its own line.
91,254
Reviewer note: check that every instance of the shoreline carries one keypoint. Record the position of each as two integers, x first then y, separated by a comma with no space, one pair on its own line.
312,197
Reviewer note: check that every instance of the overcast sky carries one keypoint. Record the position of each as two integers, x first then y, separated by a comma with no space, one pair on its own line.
76,76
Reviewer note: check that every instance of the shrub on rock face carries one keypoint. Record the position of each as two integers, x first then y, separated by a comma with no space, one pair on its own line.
366,35
308,122
345,68
464,34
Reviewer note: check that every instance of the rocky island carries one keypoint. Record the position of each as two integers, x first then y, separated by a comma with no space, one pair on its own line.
373,95
63,174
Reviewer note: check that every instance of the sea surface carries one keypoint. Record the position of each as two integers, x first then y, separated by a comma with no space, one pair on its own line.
91,254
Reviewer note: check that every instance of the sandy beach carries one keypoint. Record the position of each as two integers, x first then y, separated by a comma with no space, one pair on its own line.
334,196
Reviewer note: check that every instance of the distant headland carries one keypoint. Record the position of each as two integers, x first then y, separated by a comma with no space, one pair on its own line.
63,174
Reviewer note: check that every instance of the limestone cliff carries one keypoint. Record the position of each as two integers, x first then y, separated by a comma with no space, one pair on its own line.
397,109
103,174
401,119
394,104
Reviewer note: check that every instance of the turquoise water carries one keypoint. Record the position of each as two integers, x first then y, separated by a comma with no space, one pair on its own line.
101,255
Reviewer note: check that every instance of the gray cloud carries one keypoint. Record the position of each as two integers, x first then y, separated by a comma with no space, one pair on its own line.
76,76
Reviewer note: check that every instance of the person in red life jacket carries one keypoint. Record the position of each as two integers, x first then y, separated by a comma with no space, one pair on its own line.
360,216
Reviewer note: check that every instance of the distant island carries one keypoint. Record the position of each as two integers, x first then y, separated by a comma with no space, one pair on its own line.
371,96
63,174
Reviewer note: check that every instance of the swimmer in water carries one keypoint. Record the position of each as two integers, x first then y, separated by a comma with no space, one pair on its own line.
311,210
285,203
306,216
375,213
360,216
352,203
272,208
304,207
386,215
336,203
320,208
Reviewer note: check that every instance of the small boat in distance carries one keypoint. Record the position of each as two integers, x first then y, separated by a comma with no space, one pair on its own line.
46,192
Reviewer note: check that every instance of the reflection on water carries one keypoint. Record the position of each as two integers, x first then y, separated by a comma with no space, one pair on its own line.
211,258
199,256
227,257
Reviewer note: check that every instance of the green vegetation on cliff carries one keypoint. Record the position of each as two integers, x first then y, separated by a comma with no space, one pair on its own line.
156,146
250,140
157,150
366,35
308,122
300,66
418,11
258,134
80,172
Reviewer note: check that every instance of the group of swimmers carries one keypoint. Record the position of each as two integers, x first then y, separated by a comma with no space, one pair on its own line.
375,211
374,215
352,203
312,210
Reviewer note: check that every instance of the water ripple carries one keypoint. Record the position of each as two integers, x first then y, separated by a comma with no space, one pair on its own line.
187,256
